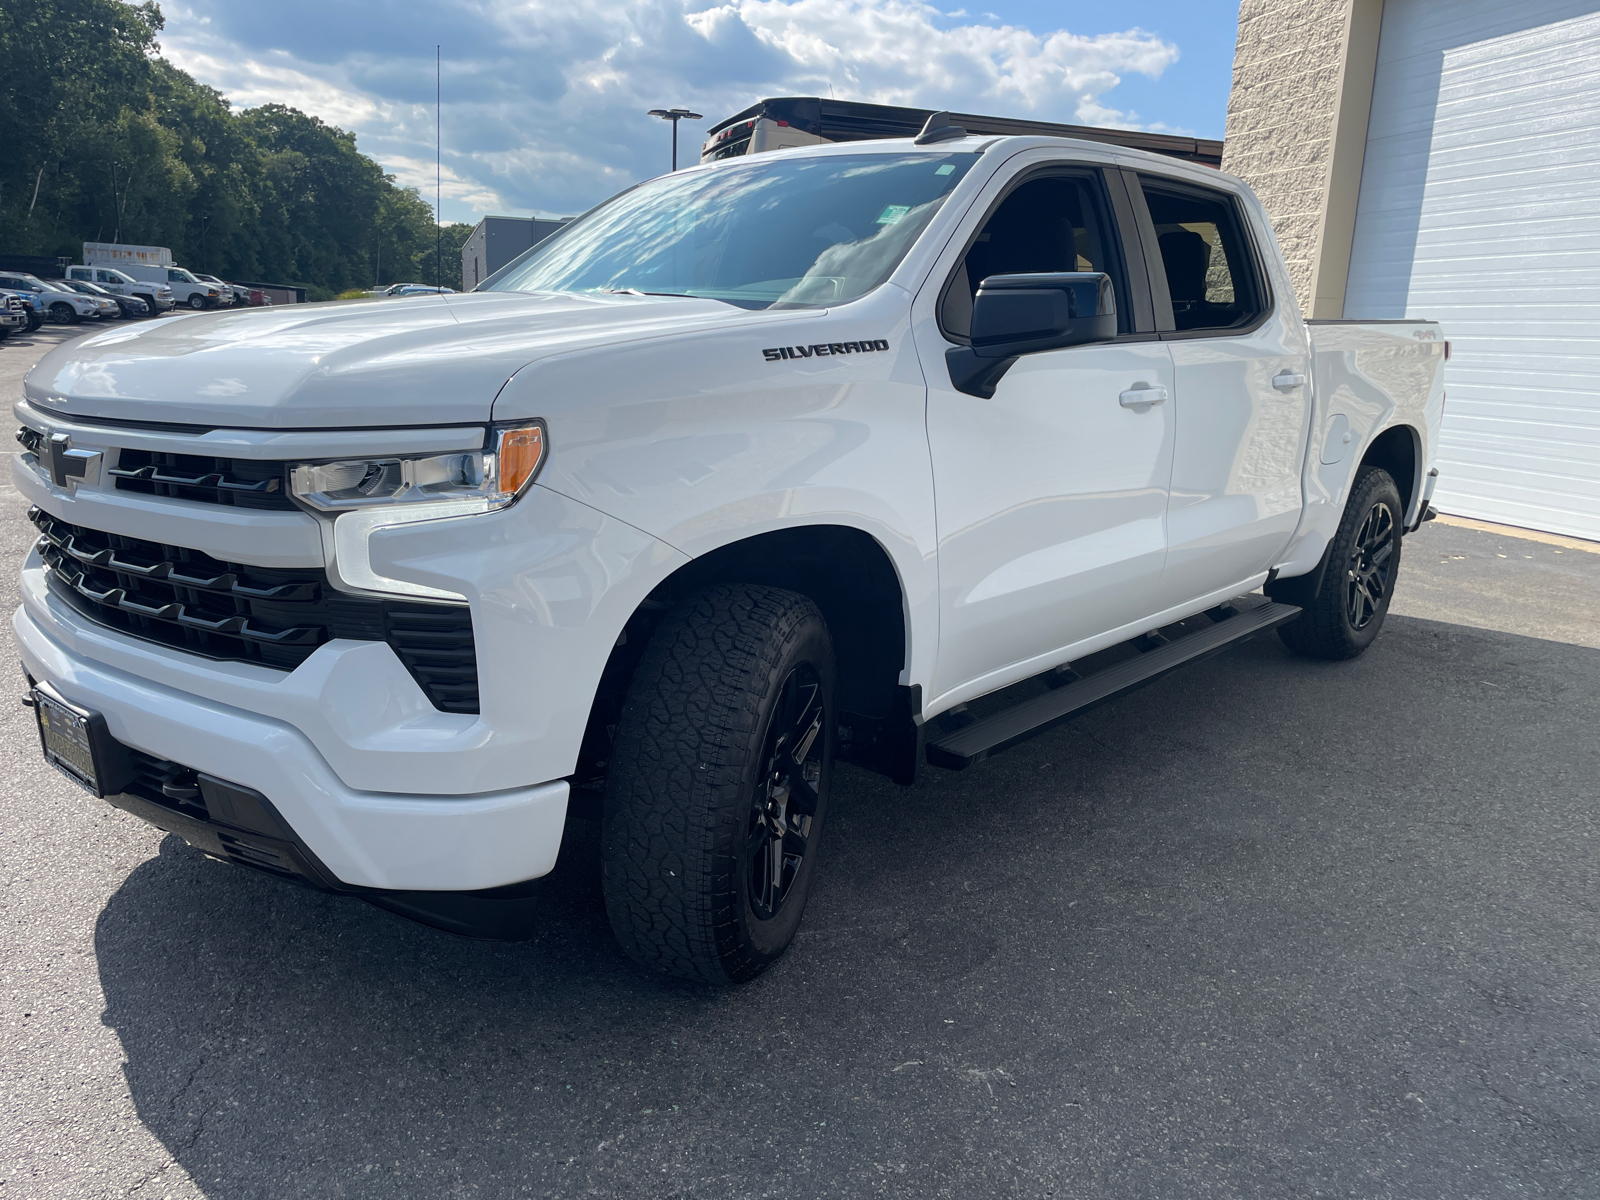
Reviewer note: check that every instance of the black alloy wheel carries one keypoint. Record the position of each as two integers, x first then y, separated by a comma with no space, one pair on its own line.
778,829
63,313
1344,601
1371,568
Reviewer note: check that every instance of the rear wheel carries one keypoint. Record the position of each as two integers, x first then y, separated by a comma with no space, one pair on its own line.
1345,614
718,784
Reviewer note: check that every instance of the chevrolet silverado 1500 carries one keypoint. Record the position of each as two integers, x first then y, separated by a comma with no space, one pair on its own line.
759,466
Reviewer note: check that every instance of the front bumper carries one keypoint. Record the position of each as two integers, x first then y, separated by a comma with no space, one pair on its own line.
388,841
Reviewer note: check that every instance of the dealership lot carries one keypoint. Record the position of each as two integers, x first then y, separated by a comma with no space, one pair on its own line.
1266,928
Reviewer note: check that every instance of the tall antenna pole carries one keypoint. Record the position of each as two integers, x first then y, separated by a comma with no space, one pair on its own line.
438,168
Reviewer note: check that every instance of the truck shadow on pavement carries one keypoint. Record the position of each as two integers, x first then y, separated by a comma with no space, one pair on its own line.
1254,927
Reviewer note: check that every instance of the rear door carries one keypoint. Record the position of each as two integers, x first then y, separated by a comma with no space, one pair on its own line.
1243,396
1050,496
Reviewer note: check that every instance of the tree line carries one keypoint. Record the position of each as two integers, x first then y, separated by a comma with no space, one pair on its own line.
107,141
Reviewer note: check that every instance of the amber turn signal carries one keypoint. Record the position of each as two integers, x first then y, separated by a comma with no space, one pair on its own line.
519,453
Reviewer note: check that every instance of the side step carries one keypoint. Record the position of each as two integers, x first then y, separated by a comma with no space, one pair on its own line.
973,743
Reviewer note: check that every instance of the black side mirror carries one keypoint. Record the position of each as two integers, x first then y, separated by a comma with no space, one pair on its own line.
1014,315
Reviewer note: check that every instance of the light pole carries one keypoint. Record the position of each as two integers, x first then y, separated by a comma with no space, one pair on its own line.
675,115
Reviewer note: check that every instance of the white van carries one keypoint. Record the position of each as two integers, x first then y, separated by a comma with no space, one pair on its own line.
157,297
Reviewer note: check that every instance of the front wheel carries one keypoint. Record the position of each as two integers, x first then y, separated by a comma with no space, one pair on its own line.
197,302
63,314
1345,614
718,784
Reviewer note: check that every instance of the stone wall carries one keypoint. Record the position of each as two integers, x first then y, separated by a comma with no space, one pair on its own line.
1283,113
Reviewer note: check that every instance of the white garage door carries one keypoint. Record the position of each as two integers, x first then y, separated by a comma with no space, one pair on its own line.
1480,208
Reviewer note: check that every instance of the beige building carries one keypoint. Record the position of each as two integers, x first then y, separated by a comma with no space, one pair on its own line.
1441,159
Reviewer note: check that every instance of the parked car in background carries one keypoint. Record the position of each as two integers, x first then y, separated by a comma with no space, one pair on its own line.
394,289
186,289
225,292
60,303
13,315
105,307
32,303
127,306
157,297
417,289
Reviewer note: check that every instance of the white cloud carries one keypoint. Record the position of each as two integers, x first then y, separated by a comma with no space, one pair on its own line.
545,99
250,82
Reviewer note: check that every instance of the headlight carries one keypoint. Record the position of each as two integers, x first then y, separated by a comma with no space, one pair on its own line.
375,493
492,478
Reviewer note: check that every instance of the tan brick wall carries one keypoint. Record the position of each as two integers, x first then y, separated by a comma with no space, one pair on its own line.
1288,69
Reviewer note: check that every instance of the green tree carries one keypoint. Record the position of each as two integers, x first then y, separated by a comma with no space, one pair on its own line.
105,140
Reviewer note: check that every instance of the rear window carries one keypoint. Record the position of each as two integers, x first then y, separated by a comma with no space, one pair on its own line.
1210,271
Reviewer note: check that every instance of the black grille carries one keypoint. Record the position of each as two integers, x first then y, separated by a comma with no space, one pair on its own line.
32,440
240,482
238,613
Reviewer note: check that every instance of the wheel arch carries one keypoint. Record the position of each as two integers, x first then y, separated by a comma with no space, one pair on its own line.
855,583
1398,450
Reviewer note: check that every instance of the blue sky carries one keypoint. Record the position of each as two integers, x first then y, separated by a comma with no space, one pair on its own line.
544,100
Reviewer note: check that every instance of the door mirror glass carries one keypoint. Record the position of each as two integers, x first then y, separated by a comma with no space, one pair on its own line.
1014,315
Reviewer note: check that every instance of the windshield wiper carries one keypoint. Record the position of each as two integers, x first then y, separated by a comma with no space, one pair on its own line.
637,292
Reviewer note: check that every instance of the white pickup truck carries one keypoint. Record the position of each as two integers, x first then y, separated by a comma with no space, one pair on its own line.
889,452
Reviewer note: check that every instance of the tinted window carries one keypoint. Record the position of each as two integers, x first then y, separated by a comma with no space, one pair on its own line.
782,232
1053,223
1210,273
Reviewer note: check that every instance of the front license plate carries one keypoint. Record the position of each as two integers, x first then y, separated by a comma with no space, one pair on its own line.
66,732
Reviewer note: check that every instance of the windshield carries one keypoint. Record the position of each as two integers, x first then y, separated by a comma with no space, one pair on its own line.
781,233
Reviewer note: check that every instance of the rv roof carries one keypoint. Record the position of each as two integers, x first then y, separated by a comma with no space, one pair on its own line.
852,121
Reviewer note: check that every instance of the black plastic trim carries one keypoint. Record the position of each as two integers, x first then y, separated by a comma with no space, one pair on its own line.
983,739
232,612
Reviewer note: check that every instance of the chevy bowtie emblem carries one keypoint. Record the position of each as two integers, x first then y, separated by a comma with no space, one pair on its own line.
69,467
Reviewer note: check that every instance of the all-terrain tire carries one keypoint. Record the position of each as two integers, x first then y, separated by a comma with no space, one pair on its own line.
718,784
1347,611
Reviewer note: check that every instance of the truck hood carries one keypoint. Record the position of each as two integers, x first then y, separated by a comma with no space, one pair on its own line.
425,360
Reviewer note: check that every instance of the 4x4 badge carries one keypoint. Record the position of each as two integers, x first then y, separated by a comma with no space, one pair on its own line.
69,467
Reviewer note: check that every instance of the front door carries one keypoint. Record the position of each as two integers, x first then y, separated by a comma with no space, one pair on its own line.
1050,497
1243,394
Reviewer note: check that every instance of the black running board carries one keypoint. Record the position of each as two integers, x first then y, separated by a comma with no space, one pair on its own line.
973,743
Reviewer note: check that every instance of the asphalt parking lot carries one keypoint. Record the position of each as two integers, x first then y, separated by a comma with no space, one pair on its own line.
1267,928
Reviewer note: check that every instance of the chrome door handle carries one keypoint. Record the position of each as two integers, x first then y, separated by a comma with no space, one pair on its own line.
1288,381
1143,396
